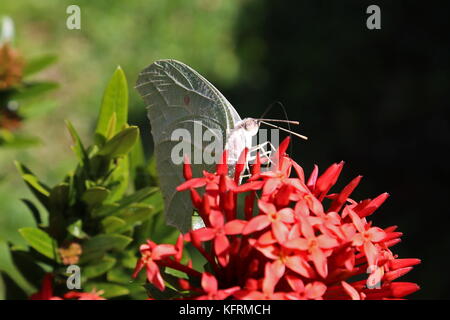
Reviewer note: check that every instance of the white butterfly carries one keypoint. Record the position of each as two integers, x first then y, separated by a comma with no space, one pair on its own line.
178,97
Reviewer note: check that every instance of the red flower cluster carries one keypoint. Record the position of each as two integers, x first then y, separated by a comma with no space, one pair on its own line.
292,247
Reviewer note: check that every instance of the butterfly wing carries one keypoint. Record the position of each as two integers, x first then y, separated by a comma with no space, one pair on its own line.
178,97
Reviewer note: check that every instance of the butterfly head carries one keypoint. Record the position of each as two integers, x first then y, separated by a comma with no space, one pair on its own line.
251,126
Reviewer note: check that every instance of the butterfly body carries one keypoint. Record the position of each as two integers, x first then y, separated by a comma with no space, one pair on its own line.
240,137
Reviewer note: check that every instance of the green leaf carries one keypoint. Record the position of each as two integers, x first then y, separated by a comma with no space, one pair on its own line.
119,275
156,294
37,109
95,270
78,147
115,100
76,229
95,196
137,163
41,191
34,89
58,204
37,64
138,196
136,213
40,241
111,290
97,246
111,129
121,143
7,266
113,224
118,181
2,288
34,210
14,140
128,259
151,167
59,197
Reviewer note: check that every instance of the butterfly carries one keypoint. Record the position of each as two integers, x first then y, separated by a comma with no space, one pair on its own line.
179,99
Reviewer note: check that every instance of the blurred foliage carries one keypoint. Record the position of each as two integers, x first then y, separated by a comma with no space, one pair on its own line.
98,215
198,32
22,98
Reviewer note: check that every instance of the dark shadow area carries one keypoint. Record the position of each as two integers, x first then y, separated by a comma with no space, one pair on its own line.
376,99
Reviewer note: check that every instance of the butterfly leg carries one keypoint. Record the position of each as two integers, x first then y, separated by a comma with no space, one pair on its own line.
266,153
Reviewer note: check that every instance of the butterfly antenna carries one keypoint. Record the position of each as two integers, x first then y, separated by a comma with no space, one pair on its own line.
270,107
287,121
286,130
278,120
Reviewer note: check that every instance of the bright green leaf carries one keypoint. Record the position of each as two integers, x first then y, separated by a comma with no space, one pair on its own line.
111,129
76,229
40,241
121,143
41,191
78,147
118,182
115,99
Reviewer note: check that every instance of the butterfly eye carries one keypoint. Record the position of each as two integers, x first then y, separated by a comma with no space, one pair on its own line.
249,124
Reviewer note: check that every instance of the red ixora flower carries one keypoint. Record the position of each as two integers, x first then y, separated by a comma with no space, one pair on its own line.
291,239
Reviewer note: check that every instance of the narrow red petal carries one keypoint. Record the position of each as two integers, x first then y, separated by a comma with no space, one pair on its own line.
187,170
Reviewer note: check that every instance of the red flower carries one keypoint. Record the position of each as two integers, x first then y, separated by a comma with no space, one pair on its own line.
46,292
318,247
219,231
366,237
298,240
312,291
278,220
272,274
151,253
210,286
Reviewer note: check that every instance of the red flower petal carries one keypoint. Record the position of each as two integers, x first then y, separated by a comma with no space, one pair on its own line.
280,231
209,282
256,224
203,234
187,170
313,179
221,244
234,227
193,183
300,266
216,219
